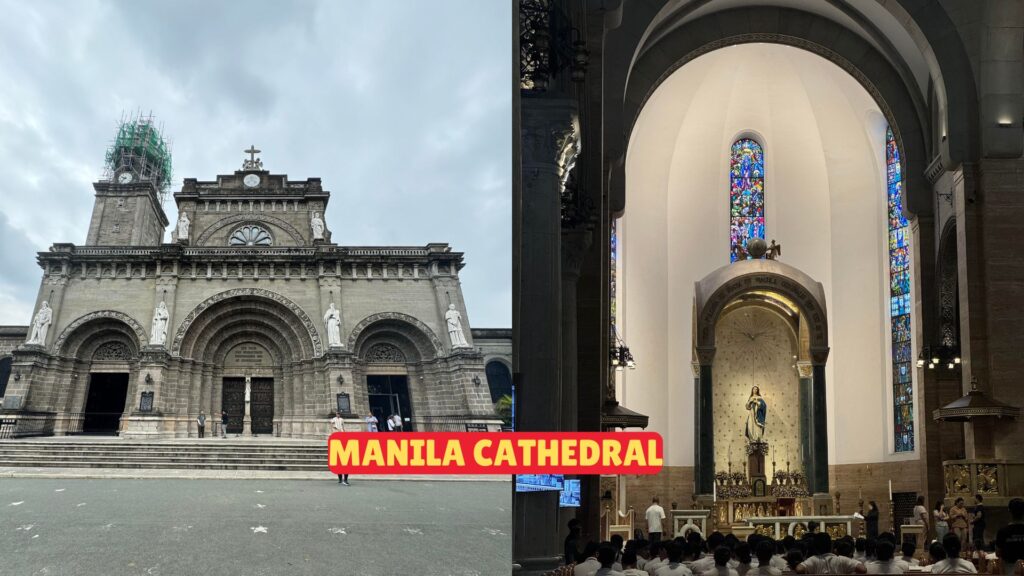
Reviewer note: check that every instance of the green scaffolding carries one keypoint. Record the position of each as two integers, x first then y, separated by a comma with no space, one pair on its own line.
140,148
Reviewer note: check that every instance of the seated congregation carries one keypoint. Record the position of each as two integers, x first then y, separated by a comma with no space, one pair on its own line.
814,553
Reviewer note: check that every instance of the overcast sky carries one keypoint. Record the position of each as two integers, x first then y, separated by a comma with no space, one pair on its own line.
403,108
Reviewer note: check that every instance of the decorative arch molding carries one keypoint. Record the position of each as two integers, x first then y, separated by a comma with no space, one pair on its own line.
304,318
423,329
250,218
716,290
140,332
815,34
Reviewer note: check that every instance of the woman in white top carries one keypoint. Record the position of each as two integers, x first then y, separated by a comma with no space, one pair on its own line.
921,515
953,564
941,520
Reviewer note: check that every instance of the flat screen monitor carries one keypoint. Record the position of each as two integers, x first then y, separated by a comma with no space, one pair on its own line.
538,482
570,495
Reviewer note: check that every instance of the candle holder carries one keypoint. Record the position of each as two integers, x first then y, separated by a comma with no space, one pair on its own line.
892,517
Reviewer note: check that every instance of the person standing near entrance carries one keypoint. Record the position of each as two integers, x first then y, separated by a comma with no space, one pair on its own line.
655,516
201,422
371,423
339,426
223,424
398,422
391,423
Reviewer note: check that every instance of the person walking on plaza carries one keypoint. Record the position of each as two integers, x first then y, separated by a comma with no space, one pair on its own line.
337,423
655,516
223,424
201,422
371,423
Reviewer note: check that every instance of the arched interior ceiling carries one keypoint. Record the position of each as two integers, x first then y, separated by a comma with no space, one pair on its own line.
825,202
867,18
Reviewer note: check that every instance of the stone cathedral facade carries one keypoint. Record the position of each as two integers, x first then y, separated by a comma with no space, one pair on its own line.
136,336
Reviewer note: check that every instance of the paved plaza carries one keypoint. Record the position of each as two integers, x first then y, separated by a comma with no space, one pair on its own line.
113,526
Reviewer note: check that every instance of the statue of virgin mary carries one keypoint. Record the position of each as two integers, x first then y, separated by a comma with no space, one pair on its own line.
757,410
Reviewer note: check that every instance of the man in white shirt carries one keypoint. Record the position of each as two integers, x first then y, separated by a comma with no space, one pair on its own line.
953,564
371,423
722,557
765,553
674,567
659,557
655,515
630,566
908,549
885,563
706,563
591,565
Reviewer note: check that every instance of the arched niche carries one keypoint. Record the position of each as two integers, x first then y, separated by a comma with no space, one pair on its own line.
796,305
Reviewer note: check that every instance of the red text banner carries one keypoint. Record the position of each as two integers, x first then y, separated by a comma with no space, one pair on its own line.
495,453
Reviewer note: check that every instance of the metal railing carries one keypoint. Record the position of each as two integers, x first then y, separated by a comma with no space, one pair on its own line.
27,423
454,424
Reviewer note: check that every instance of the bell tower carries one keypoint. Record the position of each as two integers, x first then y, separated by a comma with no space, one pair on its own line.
129,197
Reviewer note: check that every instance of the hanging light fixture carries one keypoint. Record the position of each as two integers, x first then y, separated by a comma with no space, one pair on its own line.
621,357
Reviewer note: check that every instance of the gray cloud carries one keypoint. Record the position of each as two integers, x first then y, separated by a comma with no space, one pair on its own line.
402,107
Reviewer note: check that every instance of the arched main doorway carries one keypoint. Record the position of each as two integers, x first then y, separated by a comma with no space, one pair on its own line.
255,340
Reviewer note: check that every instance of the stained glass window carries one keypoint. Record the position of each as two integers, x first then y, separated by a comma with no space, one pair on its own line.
746,196
613,270
899,301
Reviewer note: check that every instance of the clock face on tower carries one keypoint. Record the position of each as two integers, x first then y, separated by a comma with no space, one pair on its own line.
251,180
125,177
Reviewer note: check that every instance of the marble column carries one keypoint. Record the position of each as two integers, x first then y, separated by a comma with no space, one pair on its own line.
817,472
704,425
545,125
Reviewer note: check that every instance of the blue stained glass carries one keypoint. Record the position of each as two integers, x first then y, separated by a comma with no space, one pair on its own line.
899,301
746,196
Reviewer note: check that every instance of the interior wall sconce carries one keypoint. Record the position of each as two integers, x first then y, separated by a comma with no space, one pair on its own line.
1005,123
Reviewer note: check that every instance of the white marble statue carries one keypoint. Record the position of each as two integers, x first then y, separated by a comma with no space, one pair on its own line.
332,320
248,389
454,321
158,332
183,224
317,223
40,325
757,411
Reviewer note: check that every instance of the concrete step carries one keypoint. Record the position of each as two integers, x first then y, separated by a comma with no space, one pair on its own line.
210,454
166,465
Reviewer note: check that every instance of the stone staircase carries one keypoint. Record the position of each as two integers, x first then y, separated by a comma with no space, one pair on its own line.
206,454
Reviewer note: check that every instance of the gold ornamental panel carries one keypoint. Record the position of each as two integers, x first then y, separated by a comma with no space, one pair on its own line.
988,479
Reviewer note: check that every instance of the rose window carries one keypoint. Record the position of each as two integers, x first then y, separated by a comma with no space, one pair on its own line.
251,236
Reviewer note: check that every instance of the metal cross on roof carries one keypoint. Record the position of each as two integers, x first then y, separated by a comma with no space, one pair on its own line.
252,163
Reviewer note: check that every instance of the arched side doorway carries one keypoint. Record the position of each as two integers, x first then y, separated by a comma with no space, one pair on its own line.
5,373
97,359
395,357
791,305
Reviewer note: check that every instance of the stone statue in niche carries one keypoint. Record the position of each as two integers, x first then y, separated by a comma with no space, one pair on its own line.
317,224
757,411
248,389
158,332
332,321
40,325
183,225
453,320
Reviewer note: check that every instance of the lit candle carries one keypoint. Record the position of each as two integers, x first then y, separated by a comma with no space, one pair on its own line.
890,490
714,492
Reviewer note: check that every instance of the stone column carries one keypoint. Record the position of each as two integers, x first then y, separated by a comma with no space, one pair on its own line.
704,425
817,472
546,125
806,371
